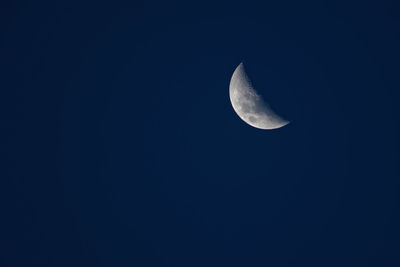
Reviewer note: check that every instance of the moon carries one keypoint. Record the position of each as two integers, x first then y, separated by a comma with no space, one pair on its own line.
249,105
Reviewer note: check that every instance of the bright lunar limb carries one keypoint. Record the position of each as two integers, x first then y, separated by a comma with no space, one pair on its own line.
249,105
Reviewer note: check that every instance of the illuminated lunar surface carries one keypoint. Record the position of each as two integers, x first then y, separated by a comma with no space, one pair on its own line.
249,105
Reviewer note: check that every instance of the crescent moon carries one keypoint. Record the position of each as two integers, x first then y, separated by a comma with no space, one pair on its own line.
249,105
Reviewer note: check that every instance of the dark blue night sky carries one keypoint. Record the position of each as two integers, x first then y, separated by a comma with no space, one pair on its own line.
119,145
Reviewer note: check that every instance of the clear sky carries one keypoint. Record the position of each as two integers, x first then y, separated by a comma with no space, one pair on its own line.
119,145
